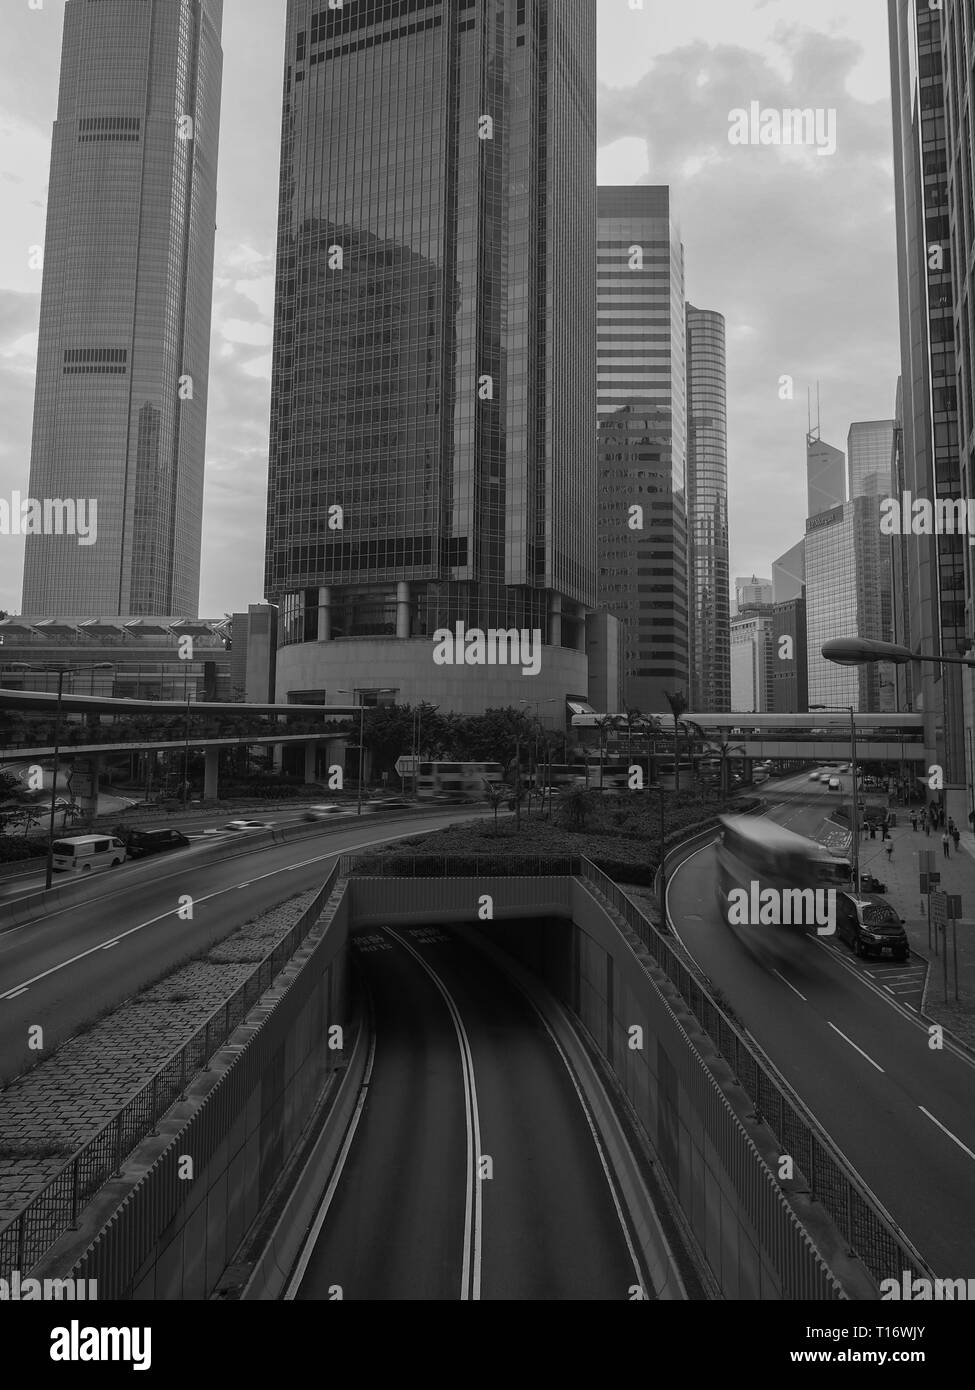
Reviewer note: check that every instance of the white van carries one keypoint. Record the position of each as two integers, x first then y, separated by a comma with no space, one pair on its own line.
82,853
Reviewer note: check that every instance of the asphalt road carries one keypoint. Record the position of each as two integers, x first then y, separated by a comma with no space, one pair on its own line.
903,1114
465,1072
56,972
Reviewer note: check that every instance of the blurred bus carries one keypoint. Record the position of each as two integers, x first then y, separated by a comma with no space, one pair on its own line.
455,781
755,850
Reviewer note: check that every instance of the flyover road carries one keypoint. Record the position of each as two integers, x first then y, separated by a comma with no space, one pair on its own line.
68,967
473,1171
196,828
902,1112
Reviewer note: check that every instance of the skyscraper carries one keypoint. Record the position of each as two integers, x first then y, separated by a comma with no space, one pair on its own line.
870,450
120,402
923,87
825,475
752,659
641,348
843,555
709,601
749,590
433,384
789,574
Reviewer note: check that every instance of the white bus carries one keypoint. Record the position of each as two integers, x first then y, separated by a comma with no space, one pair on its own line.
455,781
753,850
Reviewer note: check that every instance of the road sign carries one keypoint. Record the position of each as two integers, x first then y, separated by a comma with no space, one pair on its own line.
939,909
954,905
405,767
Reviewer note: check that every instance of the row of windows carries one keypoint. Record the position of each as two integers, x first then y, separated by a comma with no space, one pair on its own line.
373,41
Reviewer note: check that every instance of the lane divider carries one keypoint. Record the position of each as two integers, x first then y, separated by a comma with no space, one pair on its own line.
470,1285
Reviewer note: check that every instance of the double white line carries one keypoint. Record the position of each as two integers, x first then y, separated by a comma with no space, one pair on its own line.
470,1284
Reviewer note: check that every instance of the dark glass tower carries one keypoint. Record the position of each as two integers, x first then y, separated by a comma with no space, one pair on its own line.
120,404
928,461
432,450
709,599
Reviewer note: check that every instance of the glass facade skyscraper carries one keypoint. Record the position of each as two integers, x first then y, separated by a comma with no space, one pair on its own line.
709,598
432,448
825,475
928,462
870,450
120,403
641,364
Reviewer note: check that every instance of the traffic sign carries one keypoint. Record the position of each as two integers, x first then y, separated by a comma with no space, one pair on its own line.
405,767
939,909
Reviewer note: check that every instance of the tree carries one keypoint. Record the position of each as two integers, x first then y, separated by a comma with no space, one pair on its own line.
604,723
678,705
725,750
497,794
575,804
491,737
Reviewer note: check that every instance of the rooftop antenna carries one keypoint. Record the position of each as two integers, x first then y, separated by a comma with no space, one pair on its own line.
813,433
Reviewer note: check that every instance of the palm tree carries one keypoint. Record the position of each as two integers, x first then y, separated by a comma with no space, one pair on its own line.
678,705
497,794
725,750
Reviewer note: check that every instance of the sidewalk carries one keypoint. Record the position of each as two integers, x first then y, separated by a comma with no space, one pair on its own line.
957,876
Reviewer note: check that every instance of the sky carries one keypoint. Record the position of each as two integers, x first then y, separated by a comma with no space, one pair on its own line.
794,248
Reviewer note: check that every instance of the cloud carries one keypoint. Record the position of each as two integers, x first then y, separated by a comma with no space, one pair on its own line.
797,252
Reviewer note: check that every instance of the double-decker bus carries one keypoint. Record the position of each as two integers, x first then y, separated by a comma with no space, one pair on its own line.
456,781
754,854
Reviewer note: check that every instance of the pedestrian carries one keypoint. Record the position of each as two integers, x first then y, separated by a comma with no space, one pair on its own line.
951,826
971,819
956,836
890,851
945,842
913,820
926,824
883,831
873,830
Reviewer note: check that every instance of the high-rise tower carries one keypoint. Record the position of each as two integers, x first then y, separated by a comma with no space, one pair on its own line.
641,362
707,506
120,402
433,389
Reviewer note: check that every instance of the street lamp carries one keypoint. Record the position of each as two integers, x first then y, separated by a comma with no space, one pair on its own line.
538,720
854,824
424,705
863,651
386,690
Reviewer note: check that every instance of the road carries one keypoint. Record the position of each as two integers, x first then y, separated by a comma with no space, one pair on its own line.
857,1055
465,1073
195,827
55,972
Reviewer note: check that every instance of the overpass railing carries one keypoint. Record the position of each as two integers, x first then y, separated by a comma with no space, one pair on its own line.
56,1208
871,1232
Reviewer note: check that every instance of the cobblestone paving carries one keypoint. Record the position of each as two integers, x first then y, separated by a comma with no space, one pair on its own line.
48,1113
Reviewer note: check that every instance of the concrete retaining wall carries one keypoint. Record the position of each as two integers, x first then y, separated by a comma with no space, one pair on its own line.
156,1234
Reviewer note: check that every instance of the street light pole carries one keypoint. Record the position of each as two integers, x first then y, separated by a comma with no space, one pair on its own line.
854,819
49,874
362,754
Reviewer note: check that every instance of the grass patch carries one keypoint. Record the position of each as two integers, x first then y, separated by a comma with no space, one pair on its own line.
37,1148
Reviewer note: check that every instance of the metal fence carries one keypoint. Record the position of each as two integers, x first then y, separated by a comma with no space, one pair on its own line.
870,1231
399,865
57,1206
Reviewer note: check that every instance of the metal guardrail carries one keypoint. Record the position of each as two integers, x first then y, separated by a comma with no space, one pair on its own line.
56,1208
396,864
870,1231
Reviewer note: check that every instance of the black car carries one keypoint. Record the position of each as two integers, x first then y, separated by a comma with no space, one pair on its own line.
868,924
869,883
144,842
